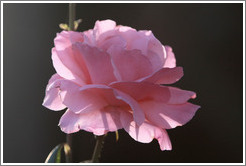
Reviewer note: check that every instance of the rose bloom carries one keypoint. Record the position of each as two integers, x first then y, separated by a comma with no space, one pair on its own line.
109,78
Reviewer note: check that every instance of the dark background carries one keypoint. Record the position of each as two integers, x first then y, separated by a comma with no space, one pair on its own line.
207,40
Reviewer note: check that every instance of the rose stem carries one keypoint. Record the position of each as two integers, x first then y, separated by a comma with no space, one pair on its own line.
71,27
71,16
98,148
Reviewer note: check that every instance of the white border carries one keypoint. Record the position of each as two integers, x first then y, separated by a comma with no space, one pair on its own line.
2,2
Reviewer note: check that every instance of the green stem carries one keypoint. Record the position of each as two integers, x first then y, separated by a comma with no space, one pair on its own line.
71,16
98,149
69,138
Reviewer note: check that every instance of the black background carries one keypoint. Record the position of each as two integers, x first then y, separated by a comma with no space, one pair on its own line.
208,43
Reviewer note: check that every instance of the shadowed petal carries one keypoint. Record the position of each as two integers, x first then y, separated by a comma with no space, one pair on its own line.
82,100
98,63
138,114
149,91
129,65
94,97
98,122
168,116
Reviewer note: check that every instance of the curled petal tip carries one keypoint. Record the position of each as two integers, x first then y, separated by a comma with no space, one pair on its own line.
168,48
193,96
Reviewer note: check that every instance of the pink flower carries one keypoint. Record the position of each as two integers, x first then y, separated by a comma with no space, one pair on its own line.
109,78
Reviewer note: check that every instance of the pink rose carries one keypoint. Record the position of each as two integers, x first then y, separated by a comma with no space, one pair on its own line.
109,78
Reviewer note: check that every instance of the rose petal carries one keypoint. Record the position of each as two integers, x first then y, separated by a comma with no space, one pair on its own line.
149,91
168,116
93,97
143,90
85,99
179,96
101,27
128,33
170,60
129,65
156,53
164,76
139,40
97,62
89,38
98,122
65,39
145,132
112,41
138,114
136,40
69,65
103,30
146,42
155,60
52,99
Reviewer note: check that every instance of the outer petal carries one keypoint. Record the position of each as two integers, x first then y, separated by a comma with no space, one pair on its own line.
164,76
145,132
129,65
98,121
98,63
69,65
52,99
168,116
88,98
179,96
148,91
170,60
143,90
94,97
166,107
65,39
